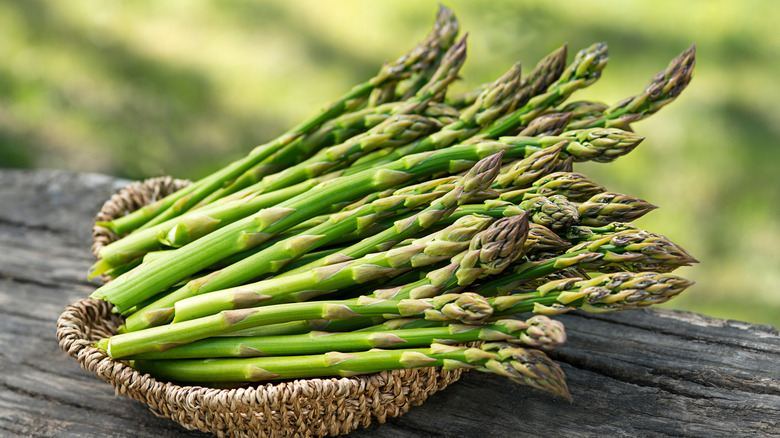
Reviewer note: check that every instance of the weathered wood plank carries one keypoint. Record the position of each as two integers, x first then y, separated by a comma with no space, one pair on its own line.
644,373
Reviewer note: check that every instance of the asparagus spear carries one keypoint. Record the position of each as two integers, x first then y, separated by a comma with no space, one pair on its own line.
156,276
276,256
555,212
605,293
608,207
493,249
331,133
622,251
665,86
190,226
467,307
546,71
303,286
606,145
538,331
419,59
583,71
600,210
524,366
489,253
412,225
496,100
576,187
255,229
539,239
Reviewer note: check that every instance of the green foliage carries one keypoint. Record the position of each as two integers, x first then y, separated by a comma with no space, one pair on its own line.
148,88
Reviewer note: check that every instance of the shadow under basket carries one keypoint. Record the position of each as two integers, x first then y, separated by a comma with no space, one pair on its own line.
304,407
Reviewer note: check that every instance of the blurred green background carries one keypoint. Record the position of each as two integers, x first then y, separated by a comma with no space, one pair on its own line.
181,87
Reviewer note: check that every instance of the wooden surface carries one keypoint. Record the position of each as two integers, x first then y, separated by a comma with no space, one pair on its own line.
642,373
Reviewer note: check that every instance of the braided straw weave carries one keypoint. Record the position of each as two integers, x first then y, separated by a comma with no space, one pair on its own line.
306,407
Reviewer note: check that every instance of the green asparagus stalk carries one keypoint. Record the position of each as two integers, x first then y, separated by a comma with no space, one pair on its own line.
546,71
555,212
278,255
489,253
190,226
583,71
425,251
538,331
605,293
494,101
469,308
539,239
333,132
493,249
576,187
524,366
419,59
597,144
491,103
600,210
412,225
154,277
157,276
396,129
622,251
608,207
662,89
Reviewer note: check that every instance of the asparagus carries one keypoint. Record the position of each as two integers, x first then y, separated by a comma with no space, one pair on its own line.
489,253
628,250
583,71
331,133
576,187
491,103
602,209
412,225
478,116
524,366
546,71
555,212
600,144
539,238
493,249
190,226
608,207
259,227
396,131
419,59
605,293
662,89
276,256
467,307
303,286
538,331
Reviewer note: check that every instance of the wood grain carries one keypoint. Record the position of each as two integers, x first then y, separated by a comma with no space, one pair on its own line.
642,373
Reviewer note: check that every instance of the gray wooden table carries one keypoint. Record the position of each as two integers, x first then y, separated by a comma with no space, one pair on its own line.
641,373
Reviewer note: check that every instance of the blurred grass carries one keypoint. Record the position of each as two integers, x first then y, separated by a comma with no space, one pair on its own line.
181,87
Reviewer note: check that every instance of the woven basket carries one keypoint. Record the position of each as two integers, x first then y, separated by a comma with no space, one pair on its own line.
306,407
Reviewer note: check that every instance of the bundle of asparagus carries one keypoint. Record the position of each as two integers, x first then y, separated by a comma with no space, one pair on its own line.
399,227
